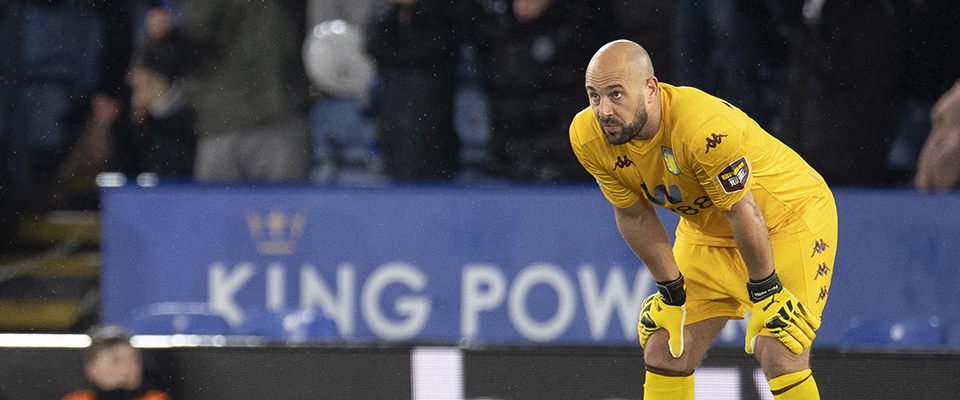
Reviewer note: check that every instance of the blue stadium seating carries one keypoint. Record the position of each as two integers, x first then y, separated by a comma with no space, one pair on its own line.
290,325
925,331
953,340
173,318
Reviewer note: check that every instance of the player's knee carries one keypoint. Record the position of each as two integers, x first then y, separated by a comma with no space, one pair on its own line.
667,372
666,362
656,354
776,359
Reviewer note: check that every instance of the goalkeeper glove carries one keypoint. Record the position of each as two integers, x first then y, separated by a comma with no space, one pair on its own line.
665,309
780,313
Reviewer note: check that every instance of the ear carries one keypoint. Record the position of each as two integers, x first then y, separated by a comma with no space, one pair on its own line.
652,87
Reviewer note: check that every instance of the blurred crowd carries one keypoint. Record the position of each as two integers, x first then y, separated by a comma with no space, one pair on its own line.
276,90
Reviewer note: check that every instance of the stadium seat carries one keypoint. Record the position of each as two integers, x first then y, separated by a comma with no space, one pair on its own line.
176,318
954,339
907,332
290,325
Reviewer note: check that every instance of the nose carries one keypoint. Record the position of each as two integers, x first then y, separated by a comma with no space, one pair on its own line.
604,108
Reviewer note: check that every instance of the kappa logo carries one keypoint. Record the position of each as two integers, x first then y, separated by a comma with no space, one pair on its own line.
819,247
822,270
823,294
714,140
622,162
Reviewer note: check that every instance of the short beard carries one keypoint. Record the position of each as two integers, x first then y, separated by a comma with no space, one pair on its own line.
630,131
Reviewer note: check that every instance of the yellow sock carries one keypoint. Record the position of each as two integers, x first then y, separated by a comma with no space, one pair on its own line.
795,386
667,385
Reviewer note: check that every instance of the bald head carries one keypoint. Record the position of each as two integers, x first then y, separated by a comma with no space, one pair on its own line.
623,92
622,57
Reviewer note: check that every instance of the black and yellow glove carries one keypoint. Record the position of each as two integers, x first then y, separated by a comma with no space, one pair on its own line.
665,309
780,313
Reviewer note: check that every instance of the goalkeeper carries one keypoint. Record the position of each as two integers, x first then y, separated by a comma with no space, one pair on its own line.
758,228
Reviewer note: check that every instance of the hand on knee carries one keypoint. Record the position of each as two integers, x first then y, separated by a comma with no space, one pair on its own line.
776,359
697,338
657,355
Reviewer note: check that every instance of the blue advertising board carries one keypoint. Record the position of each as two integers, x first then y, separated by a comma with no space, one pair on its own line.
504,265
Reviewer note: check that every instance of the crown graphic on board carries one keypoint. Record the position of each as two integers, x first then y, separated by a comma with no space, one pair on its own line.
276,233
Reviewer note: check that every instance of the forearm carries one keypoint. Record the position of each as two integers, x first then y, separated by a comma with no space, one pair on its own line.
645,235
753,239
938,167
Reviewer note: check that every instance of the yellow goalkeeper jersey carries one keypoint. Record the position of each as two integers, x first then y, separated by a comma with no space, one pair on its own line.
703,159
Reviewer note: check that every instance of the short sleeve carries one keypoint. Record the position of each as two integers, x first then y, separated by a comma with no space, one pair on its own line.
721,164
615,192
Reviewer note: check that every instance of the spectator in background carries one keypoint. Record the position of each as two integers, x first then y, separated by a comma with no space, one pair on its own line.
532,56
342,126
723,47
248,88
938,168
416,47
142,128
95,128
114,368
931,31
58,56
838,110
162,125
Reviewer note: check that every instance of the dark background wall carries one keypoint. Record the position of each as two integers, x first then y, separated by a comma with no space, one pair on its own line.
377,372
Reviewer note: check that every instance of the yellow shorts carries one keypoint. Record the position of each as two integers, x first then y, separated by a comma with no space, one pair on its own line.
716,277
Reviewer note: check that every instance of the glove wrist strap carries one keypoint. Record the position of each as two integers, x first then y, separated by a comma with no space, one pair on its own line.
672,292
764,288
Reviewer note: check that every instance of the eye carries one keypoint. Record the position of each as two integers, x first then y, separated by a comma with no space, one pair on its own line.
617,94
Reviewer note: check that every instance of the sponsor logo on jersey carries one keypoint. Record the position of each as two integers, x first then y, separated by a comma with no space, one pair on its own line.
670,161
622,162
733,178
714,140
661,196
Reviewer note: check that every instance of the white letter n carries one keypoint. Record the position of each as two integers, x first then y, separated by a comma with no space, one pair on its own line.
313,291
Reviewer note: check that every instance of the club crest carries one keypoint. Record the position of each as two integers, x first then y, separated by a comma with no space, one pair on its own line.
670,161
